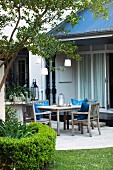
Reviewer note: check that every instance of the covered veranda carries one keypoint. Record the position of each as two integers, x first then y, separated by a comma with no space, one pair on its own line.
92,76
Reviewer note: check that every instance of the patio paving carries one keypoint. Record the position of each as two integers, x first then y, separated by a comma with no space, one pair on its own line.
82,141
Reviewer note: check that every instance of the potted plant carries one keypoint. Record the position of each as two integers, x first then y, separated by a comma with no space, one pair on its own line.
18,93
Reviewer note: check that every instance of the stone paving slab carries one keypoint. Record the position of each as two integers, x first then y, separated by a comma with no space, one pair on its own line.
82,141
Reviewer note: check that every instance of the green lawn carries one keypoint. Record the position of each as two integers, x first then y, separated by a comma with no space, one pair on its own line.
85,159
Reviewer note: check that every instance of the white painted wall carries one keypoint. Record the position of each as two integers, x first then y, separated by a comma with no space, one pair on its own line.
2,99
69,89
35,73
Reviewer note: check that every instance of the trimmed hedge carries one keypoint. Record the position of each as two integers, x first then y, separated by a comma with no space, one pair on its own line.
31,153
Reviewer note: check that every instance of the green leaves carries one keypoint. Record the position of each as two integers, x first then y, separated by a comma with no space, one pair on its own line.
48,46
12,128
73,18
28,19
32,152
11,90
100,8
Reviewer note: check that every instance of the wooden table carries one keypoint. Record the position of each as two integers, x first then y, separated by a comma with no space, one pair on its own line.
57,110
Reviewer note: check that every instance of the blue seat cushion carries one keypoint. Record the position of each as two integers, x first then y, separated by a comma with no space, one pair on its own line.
45,103
78,102
81,117
84,108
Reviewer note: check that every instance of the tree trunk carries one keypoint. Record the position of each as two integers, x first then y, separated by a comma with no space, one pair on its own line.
2,100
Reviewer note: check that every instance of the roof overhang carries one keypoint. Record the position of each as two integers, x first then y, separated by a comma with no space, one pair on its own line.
85,37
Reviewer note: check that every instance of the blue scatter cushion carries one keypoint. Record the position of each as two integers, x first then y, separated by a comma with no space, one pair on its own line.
45,103
84,108
78,102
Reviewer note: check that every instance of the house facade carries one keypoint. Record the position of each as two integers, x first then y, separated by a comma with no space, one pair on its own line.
25,70
92,76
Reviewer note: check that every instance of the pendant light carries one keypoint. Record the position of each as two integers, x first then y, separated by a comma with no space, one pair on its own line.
67,62
44,71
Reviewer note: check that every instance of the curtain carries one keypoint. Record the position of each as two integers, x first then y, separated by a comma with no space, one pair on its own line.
99,78
98,88
85,76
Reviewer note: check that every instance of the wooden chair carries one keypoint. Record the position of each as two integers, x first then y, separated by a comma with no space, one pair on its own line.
30,114
92,115
45,116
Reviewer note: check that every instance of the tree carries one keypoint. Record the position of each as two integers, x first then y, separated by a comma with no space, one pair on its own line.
27,20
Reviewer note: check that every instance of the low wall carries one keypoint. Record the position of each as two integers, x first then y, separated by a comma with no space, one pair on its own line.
106,116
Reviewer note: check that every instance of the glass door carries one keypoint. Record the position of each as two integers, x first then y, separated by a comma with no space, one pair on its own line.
110,80
92,77
99,78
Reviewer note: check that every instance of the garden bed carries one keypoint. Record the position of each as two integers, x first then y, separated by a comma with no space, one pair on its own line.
32,152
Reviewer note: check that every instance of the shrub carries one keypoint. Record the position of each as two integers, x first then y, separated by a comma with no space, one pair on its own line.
30,153
10,115
13,128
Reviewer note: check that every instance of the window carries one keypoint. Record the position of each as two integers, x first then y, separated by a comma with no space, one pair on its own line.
19,72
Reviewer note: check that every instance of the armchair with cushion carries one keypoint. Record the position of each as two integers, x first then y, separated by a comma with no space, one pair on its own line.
86,115
32,113
41,117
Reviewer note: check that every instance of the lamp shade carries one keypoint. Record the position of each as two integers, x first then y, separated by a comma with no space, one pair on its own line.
67,62
44,71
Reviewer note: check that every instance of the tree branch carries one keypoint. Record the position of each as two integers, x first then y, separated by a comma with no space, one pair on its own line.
15,25
44,12
1,55
7,70
52,18
2,63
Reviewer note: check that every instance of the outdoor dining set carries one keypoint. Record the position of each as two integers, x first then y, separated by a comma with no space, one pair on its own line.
79,113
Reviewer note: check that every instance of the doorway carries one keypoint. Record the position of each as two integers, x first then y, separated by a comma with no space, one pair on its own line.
92,77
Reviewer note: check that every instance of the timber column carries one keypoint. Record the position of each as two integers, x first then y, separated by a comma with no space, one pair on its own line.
51,82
